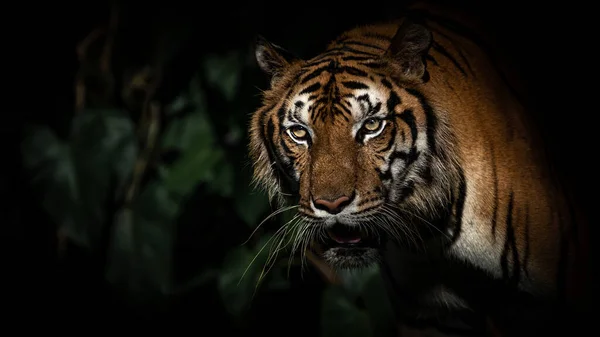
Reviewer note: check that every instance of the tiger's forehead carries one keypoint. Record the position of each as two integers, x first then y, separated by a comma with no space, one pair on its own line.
331,97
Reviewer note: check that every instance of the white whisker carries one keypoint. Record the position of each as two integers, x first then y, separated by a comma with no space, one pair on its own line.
278,211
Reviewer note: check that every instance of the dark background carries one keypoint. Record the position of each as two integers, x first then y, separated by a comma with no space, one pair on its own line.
549,43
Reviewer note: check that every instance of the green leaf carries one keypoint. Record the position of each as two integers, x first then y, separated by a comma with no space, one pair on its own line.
81,177
141,250
156,202
186,133
49,161
340,317
201,160
240,276
197,166
179,104
104,149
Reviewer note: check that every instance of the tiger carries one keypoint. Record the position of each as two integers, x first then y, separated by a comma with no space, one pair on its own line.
405,145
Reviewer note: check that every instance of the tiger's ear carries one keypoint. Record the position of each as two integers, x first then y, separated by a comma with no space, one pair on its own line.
408,48
271,58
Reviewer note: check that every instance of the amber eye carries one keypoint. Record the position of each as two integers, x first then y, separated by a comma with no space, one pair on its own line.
298,132
372,125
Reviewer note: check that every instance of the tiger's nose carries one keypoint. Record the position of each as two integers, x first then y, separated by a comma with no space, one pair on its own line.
332,206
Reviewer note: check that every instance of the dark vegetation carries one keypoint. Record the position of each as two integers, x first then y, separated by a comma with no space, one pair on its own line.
131,184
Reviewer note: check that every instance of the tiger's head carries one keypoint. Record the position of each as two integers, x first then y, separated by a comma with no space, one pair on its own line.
349,135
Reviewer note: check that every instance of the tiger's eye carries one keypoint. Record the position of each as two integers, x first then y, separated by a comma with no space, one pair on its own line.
372,124
298,132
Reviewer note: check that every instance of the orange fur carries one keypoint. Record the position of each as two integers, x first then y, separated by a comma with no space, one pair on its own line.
516,219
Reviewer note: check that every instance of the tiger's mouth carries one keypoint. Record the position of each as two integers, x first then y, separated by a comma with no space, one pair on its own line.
350,247
345,236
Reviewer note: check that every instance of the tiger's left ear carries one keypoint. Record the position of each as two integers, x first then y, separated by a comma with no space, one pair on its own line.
408,48
272,59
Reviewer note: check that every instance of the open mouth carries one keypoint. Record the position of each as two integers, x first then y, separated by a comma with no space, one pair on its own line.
350,247
344,236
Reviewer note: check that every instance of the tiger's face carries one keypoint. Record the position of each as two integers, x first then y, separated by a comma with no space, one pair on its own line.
348,137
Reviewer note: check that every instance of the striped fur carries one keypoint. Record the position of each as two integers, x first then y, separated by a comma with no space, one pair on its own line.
456,174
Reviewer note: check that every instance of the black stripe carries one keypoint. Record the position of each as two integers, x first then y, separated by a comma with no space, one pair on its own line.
314,74
510,247
392,102
407,190
325,57
289,184
357,58
465,60
288,152
369,200
333,68
458,50
374,65
430,118
310,89
459,206
387,175
366,209
409,118
386,83
263,135
431,59
281,115
437,47
362,44
341,51
391,141
375,109
287,169
354,51
354,85
408,157
345,117
315,62
346,110
377,36
353,71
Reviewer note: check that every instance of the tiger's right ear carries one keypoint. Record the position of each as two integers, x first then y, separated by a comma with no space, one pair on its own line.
408,48
271,58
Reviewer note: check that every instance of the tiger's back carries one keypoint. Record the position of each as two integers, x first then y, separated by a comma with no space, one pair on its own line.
454,161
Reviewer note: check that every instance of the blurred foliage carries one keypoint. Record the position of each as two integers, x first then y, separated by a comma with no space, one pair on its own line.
143,167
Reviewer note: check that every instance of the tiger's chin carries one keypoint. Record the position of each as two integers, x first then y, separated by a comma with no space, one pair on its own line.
348,248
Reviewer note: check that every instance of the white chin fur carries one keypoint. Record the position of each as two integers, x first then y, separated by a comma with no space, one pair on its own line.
351,258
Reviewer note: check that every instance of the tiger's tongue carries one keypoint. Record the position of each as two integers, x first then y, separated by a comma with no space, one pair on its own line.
343,235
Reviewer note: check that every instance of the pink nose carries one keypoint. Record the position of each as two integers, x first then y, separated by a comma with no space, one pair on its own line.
333,207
